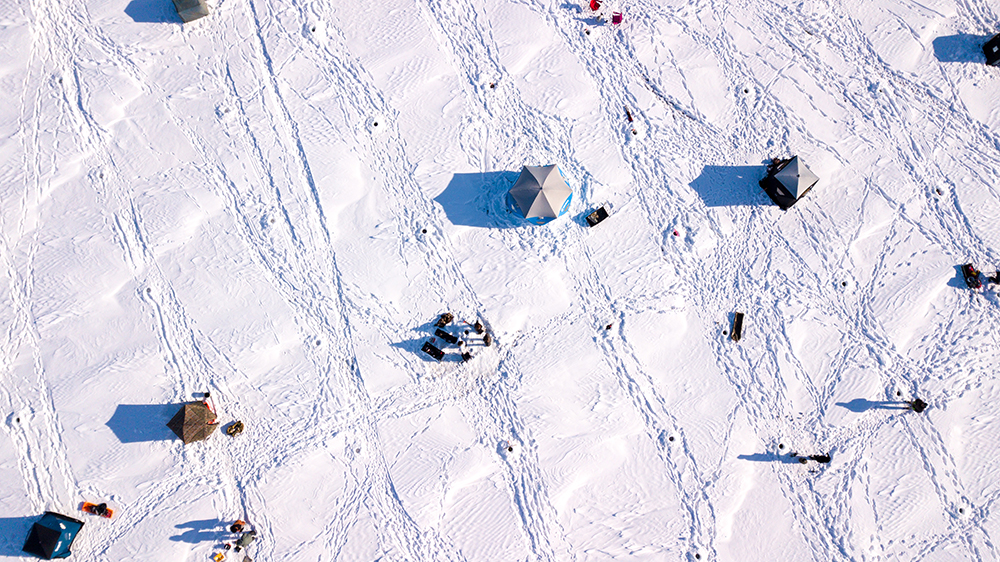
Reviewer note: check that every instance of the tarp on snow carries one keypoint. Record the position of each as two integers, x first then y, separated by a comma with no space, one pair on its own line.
787,182
52,536
541,193
194,422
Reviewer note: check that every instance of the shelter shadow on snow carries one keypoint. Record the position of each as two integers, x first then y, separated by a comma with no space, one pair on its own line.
770,457
862,405
958,281
152,11
479,199
13,532
963,47
200,531
729,186
137,423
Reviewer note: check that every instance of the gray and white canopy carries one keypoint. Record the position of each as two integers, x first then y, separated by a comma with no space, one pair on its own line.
541,193
788,183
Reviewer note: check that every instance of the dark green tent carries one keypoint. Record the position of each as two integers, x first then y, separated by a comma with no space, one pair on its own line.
194,422
52,536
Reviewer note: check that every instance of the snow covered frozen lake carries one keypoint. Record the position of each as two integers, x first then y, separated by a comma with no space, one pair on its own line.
275,203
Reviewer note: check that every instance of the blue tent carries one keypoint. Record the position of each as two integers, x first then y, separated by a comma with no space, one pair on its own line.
52,536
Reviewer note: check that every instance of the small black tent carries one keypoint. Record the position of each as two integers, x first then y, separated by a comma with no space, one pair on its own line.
787,181
52,536
992,51
194,422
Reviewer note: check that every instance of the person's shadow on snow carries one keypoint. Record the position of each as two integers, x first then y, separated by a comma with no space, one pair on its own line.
200,531
770,457
859,405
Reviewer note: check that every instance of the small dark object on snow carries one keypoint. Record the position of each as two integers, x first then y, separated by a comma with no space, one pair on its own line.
233,430
820,458
444,319
101,509
917,405
227,546
487,340
238,526
608,327
434,352
478,327
995,279
737,330
971,275
992,51
445,336
628,114
616,18
466,356
593,219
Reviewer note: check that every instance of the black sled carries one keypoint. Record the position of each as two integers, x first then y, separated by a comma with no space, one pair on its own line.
736,330
434,352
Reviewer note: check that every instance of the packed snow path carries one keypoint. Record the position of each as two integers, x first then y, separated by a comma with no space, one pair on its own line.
274,204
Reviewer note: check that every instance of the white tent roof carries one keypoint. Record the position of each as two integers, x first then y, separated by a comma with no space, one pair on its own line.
540,191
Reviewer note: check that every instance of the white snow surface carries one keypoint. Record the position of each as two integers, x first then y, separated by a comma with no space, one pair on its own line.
274,203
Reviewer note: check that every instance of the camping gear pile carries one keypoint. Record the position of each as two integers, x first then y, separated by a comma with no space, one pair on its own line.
433,348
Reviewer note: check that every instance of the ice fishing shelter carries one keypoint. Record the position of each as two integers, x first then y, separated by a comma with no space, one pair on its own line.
787,181
541,193
194,422
992,51
190,10
52,536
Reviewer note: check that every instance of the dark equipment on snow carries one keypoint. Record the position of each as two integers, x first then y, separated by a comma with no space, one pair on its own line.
194,422
818,458
971,275
444,319
478,327
246,539
190,10
599,214
736,331
992,51
233,430
434,352
487,340
917,405
446,336
466,356
787,181
101,510
52,536
237,527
